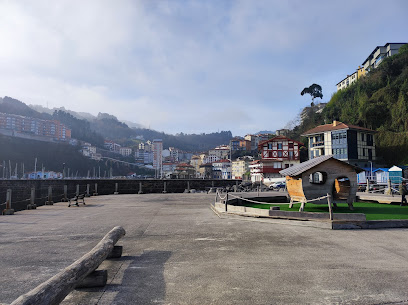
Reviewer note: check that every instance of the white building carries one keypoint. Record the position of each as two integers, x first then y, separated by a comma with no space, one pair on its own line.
220,153
211,159
158,157
347,81
222,169
125,151
379,53
169,168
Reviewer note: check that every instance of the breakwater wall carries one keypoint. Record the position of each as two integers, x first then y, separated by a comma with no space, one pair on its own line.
22,190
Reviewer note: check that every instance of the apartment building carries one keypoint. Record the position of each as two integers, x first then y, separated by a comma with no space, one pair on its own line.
240,167
352,144
46,128
125,151
221,169
379,53
371,62
157,146
238,143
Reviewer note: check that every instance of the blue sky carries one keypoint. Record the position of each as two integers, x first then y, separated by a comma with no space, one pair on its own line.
189,66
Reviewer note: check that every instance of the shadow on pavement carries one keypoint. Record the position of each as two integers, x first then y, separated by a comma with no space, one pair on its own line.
143,281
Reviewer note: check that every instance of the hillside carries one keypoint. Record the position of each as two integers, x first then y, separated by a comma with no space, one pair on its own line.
378,101
52,156
94,130
13,106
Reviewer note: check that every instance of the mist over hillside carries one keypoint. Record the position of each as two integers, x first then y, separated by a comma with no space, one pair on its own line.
94,129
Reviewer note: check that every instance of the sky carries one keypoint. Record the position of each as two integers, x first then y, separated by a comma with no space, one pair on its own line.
189,66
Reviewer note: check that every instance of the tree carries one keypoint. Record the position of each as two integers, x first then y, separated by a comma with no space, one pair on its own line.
314,90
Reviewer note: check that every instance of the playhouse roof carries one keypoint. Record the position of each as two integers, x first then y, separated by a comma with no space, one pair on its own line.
395,169
381,169
300,168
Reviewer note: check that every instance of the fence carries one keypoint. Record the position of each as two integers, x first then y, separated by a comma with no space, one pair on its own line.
27,194
224,199
389,189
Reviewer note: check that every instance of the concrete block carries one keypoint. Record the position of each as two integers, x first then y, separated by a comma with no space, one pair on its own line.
31,206
8,212
97,278
116,252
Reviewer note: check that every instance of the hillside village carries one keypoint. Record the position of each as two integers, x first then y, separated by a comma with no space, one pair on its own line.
255,157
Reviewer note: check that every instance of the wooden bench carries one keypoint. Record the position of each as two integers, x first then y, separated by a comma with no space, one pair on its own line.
76,198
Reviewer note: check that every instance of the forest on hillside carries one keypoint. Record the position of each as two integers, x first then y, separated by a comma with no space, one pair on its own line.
378,101
106,126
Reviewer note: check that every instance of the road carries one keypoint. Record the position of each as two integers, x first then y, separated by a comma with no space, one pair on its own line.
177,251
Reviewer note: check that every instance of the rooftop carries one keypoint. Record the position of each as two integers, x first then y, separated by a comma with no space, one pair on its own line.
300,168
336,125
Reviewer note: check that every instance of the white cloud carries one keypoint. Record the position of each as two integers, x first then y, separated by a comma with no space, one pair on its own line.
190,65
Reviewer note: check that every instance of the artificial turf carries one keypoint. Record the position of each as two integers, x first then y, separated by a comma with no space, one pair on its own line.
373,211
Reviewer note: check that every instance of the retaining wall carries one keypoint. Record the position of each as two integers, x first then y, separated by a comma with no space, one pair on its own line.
21,189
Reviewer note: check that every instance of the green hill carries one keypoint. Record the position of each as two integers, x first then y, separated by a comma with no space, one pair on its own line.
378,101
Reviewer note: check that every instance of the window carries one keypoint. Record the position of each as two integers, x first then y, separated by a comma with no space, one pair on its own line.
362,137
280,145
279,154
290,145
269,145
370,141
318,178
277,165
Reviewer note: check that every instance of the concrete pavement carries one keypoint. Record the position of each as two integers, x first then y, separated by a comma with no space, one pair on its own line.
177,251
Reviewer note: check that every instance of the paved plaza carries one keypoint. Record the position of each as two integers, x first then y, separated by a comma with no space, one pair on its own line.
178,251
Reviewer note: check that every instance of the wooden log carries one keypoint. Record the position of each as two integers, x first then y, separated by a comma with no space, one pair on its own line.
59,286
97,278
116,252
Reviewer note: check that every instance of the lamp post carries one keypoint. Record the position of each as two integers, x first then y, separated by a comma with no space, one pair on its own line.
371,173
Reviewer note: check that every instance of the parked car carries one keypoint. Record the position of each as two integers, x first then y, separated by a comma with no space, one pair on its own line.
277,185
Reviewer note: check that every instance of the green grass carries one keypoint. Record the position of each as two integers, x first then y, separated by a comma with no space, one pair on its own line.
373,211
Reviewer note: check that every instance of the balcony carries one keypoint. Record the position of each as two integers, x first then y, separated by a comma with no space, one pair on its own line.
317,144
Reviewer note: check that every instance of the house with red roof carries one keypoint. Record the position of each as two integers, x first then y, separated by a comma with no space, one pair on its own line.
350,143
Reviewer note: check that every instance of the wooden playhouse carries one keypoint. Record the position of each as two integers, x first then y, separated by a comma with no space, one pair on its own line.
314,179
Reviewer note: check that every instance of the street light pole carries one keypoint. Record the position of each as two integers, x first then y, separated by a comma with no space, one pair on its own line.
371,173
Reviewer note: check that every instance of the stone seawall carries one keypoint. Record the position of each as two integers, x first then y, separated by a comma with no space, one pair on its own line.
21,189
